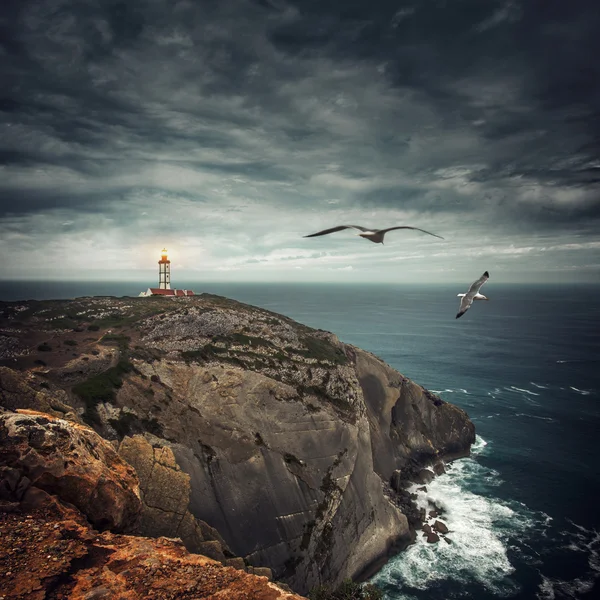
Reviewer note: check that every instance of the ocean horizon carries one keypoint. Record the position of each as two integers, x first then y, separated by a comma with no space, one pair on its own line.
522,510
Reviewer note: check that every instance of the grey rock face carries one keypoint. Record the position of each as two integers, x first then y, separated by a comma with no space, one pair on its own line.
287,441
277,435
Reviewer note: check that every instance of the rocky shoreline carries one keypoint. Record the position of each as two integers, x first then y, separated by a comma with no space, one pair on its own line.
205,397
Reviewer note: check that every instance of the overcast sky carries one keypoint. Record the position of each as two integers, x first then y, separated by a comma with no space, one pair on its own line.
226,130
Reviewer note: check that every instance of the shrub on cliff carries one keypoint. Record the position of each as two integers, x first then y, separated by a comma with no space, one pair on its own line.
347,591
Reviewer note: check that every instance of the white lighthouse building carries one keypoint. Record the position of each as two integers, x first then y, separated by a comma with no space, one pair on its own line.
164,280
164,271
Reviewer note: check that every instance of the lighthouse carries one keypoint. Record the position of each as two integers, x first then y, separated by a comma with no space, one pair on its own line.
164,271
164,281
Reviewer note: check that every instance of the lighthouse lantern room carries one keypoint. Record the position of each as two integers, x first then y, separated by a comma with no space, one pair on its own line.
164,271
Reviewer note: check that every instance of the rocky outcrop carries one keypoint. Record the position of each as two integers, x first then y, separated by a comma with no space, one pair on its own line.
165,495
287,486
48,548
50,551
28,391
411,427
38,451
294,446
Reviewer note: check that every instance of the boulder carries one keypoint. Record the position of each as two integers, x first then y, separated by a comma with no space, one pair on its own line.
24,391
432,538
424,476
438,468
396,480
70,461
261,572
440,527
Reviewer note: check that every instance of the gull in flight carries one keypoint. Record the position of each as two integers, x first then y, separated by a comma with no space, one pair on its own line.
472,294
374,235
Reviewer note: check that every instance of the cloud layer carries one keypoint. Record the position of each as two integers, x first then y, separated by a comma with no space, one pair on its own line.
228,130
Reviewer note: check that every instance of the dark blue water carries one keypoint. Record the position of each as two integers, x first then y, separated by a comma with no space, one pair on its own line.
523,511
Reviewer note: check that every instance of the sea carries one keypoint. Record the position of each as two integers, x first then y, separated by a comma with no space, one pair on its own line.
523,511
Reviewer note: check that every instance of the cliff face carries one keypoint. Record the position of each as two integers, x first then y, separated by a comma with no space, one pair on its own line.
57,478
281,437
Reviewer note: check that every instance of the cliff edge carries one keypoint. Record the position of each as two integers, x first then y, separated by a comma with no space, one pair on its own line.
290,446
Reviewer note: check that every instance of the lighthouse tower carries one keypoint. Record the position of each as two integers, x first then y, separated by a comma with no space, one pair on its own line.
164,281
164,271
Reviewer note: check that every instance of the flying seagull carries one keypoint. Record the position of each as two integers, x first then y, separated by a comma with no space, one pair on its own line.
374,235
472,294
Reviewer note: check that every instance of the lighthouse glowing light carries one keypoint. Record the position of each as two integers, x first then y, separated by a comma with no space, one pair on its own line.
164,271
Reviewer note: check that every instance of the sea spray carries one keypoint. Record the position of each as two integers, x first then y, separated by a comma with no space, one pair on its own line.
479,529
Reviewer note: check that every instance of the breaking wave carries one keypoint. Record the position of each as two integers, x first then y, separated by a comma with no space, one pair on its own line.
479,529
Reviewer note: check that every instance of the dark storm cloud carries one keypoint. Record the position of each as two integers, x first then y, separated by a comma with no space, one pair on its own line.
462,113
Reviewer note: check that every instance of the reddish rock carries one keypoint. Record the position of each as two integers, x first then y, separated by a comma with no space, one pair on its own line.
38,451
62,557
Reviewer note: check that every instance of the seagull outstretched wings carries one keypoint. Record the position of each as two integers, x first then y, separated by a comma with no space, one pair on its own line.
374,235
472,294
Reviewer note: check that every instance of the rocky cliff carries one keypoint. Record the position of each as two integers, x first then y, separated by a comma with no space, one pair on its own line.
273,441
62,490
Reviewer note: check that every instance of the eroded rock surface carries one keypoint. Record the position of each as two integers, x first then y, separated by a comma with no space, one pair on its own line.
50,552
165,495
287,438
70,461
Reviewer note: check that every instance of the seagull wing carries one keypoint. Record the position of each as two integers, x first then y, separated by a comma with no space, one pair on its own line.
465,304
338,228
476,285
384,231
467,299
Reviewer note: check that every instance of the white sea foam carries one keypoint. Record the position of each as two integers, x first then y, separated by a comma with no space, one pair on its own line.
516,389
582,392
479,528
546,589
549,419
541,387
583,541
450,391
479,446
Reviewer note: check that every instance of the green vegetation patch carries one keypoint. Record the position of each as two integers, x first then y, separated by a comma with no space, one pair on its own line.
320,350
148,355
101,388
70,343
116,338
241,339
344,408
210,352
129,423
44,347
